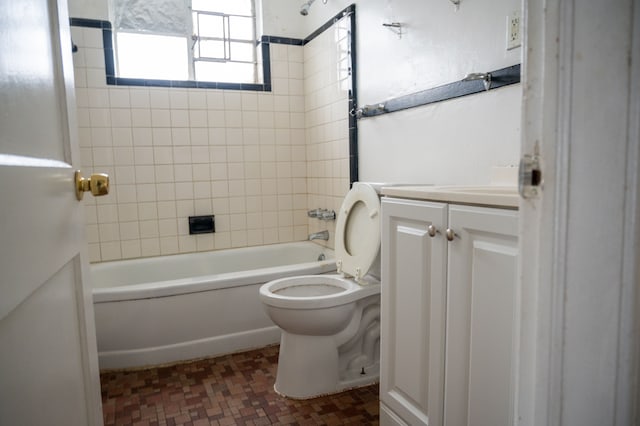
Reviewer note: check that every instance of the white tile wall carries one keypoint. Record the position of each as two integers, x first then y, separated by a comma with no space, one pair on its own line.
326,90
258,161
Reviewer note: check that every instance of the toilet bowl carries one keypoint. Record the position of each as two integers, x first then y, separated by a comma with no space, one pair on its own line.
331,323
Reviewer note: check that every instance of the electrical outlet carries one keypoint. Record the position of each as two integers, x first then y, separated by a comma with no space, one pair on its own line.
514,38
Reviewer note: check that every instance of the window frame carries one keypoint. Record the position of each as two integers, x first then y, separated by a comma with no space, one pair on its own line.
193,38
226,40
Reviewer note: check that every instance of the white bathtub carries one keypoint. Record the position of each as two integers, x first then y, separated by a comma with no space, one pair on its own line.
171,308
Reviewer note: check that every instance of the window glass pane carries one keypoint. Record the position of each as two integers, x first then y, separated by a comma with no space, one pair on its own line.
242,51
230,72
152,56
168,17
210,49
234,7
208,25
241,28
168,57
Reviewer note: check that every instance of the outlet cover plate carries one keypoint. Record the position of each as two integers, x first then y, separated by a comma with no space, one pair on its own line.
514,30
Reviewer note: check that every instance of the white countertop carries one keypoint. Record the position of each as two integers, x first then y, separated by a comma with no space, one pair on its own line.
488,195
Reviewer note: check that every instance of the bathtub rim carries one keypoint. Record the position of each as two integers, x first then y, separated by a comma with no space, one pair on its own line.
210,282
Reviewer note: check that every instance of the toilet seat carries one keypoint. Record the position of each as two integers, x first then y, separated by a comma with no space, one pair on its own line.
358,231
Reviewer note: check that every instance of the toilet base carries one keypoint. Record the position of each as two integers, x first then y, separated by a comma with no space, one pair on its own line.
340,389
308,367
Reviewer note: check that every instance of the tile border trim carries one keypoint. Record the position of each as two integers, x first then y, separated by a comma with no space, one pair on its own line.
499,78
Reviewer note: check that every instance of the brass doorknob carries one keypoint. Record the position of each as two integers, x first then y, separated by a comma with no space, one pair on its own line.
98,184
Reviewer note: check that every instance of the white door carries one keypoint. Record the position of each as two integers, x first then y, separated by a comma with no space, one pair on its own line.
580,238
482,317
413,312
48,360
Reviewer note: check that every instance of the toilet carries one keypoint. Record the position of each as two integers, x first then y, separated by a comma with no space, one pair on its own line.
330,324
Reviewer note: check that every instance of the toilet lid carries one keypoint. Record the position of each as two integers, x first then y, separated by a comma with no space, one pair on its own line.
358,231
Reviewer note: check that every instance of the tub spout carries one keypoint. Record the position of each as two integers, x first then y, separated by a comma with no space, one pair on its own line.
322,235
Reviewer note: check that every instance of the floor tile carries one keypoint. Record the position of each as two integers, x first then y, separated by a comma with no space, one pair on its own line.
228,390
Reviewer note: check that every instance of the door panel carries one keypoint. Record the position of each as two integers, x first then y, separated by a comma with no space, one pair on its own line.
412,341
32,80
492,333
35,198
33,336
482,323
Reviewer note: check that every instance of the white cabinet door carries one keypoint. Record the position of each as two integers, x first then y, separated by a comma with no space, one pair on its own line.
413,303
482,322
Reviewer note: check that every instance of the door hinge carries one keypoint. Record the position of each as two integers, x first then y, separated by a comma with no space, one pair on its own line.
530,176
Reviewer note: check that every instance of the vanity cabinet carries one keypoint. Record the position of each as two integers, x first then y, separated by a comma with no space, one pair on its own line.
448,323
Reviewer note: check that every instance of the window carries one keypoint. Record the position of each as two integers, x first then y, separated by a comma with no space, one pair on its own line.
201,40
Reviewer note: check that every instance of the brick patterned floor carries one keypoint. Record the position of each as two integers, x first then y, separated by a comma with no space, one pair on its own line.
229,390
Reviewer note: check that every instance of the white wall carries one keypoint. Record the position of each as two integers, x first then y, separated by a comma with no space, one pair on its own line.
440,44
282,18
89,9
453,142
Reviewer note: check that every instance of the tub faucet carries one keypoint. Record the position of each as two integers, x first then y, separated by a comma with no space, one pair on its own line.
322,235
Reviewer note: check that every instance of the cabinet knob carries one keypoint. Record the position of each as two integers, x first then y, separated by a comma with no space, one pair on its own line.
432,231
450,234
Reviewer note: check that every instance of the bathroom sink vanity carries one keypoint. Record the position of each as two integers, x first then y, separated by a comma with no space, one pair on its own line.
449,305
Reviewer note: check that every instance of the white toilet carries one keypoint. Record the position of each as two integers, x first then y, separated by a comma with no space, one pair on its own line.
331,323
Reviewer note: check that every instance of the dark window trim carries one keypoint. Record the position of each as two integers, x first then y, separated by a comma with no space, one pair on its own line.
113,80
265,42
